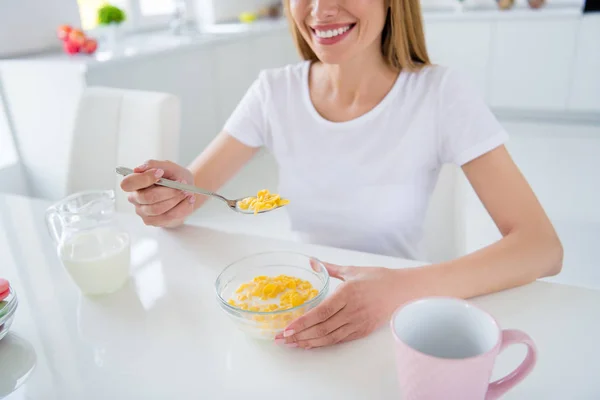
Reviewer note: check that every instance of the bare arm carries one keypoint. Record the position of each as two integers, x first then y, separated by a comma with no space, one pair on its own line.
530,248
218,163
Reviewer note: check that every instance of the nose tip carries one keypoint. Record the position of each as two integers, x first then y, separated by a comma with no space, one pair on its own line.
323,9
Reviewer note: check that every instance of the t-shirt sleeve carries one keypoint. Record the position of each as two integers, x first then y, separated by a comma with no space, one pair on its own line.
466,127
248,122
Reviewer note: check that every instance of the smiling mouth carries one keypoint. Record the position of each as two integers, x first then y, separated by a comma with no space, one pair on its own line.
337,32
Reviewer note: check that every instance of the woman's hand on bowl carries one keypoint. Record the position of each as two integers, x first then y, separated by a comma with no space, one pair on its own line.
159,205
362,303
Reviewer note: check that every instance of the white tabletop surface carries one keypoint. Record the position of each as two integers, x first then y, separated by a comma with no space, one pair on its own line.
164,337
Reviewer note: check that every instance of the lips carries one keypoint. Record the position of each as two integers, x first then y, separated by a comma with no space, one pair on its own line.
330,34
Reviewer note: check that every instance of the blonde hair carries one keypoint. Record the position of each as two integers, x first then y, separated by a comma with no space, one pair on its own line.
402,41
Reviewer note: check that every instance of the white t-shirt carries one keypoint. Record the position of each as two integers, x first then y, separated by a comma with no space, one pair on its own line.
365,184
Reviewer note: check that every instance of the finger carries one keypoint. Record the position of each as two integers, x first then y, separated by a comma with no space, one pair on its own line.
327,309
351,337
162,207
319,330
156,194
172,170
332,338
185,183
141,168
134,182
177,213
338,271
317,265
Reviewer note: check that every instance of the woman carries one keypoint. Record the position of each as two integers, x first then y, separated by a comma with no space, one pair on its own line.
360,130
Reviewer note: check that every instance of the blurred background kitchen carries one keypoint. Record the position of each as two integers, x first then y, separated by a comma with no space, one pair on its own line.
536,63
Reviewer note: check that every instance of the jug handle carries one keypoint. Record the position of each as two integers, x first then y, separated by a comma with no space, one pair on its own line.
53,222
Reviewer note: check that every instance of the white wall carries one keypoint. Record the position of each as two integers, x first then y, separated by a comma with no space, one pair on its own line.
29,26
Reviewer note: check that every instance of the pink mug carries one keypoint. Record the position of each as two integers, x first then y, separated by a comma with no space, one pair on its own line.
446,348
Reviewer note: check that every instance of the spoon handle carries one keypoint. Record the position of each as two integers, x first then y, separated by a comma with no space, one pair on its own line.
173,184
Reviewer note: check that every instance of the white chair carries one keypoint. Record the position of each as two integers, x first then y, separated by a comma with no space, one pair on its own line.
444,236
120,127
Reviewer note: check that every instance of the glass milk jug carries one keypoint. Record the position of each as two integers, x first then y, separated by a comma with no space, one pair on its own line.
91,246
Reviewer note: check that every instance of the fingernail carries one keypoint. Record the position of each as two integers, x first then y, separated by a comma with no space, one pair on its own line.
291,345
159,173
192,199
279,342
288,333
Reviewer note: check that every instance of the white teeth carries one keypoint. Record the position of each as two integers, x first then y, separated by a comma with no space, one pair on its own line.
332,33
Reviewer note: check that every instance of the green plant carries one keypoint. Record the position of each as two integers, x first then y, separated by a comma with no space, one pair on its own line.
109,14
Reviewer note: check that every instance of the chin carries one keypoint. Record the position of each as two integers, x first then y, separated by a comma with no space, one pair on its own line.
334,54
334,59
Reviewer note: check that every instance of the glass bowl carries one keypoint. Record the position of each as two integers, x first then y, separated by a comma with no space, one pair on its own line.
8,306
267,324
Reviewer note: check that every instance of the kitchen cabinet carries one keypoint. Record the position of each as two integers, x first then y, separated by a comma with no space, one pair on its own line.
465,47
234,73
273,51
532,63
585,87
289,51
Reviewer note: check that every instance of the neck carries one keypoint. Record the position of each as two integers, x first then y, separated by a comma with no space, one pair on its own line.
358,75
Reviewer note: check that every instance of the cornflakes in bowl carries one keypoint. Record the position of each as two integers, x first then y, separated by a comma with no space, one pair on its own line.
265,292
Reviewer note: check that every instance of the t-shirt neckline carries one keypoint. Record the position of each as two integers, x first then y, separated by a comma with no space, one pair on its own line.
372,113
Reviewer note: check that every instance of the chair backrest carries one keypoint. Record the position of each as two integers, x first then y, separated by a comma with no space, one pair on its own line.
116,127
444,236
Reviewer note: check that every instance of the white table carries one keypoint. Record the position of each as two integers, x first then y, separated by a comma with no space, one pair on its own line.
164,337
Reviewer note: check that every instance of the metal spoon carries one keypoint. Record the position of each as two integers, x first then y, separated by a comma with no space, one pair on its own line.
232,204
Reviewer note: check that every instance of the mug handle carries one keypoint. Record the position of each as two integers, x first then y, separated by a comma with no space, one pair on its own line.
503,385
